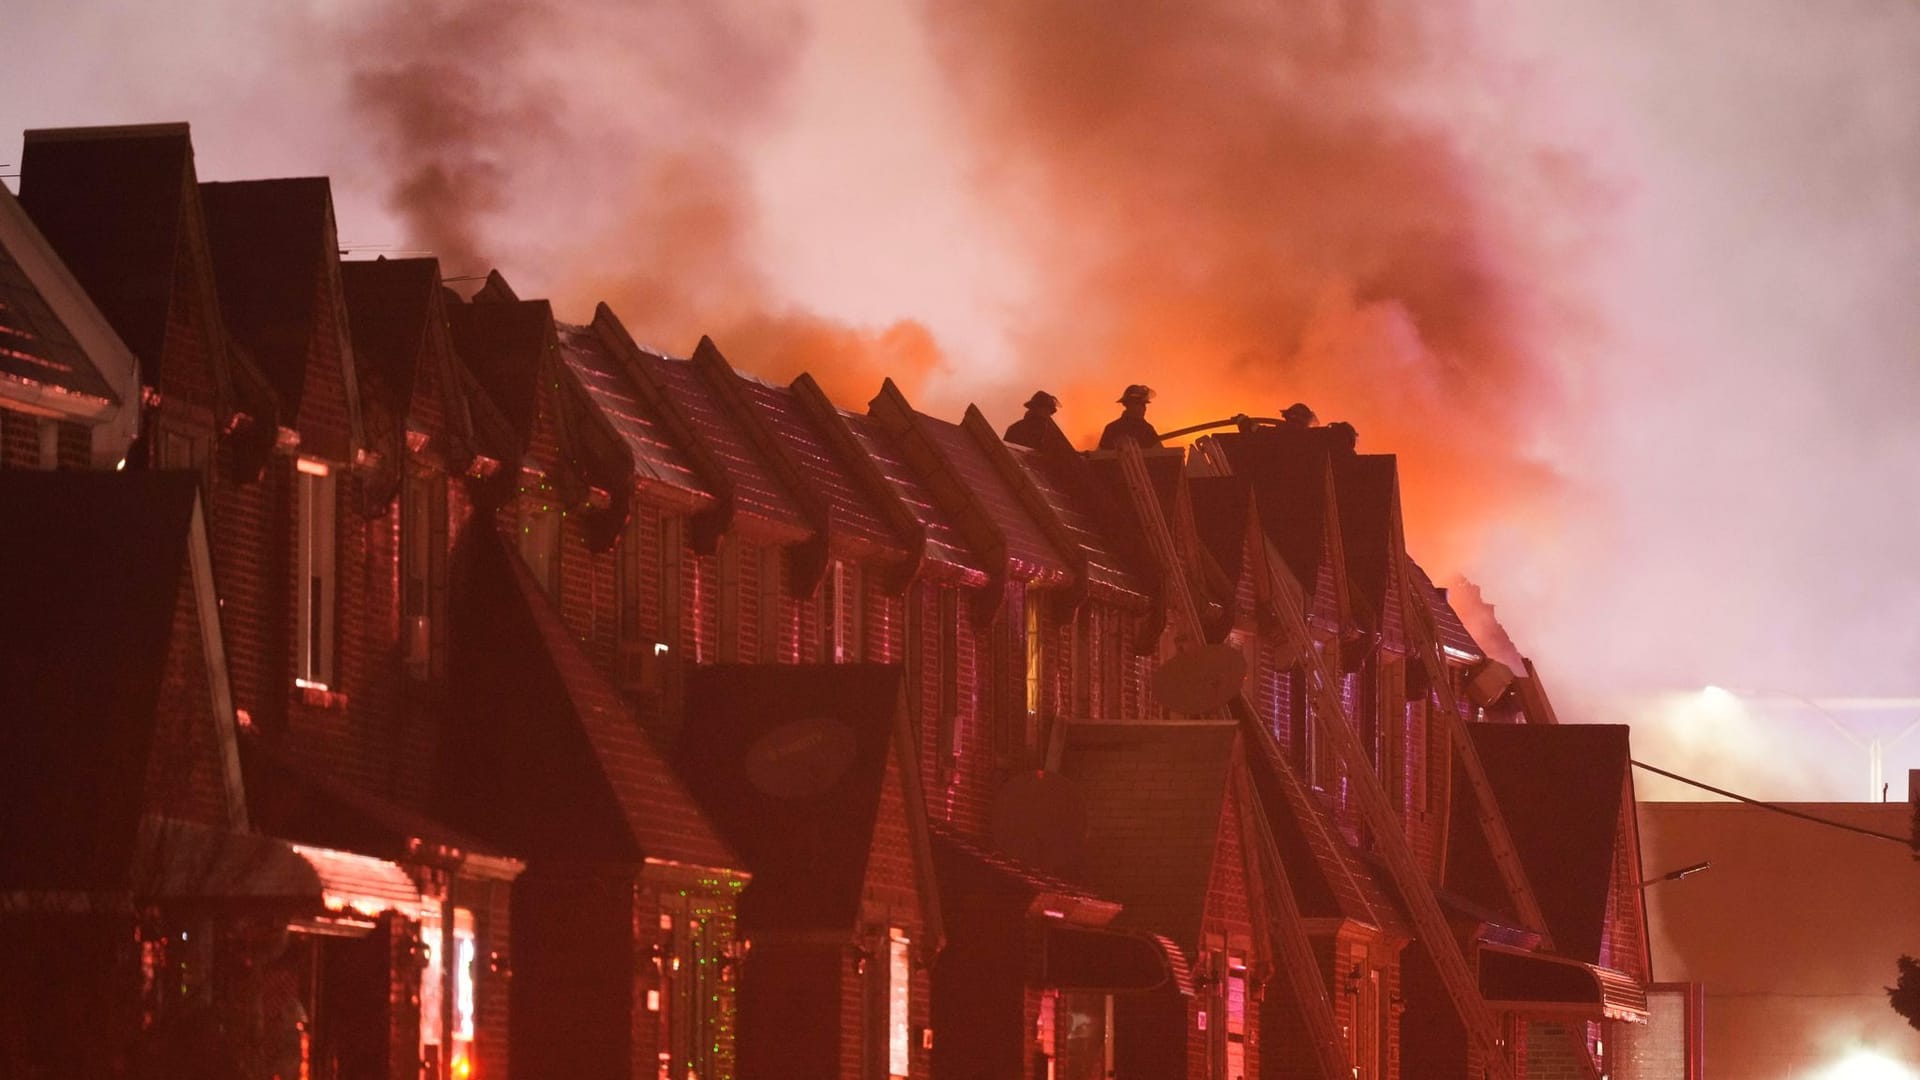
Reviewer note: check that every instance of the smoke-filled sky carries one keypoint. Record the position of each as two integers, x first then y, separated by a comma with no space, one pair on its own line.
1629,285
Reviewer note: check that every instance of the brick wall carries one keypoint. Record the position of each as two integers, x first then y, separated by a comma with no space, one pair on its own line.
185,769
185,374
19,440
1553,1052
573,972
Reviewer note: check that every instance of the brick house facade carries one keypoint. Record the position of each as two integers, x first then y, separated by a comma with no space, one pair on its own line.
1169,763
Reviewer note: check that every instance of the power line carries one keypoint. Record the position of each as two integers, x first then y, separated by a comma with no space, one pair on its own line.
1903,841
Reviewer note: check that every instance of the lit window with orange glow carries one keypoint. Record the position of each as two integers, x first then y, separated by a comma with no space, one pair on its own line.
1036,654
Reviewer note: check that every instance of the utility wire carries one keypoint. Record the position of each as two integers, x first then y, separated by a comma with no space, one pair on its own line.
1903,841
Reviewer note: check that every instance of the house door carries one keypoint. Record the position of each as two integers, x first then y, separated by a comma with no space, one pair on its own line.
349,1007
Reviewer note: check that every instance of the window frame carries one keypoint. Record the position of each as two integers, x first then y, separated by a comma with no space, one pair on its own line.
316,573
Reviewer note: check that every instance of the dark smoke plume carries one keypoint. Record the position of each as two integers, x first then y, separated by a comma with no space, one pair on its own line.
594,151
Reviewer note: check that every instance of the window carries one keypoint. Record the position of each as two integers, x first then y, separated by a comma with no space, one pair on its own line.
1235,1029
728,557
899,1001
49,444
1082,1035
1080,663
423,531
433,979
947,741
1112,662
540,539
1006,698
772,638
689,983
1300,724
672,553
463,958
315,631
1393,724
1035,675
629,564
842,607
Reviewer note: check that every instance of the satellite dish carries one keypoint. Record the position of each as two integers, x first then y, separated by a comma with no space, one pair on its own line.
802,758
1040,819
1200,680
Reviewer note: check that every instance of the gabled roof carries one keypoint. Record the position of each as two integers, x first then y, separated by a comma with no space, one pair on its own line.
790,761
756,491
967,867
529,716
1367,488
1291,471
1453,632
1155,796
1070,496
1221,507
389,305
1560,788
111,201
503,344
95,568
269,240
973,488
947,553
122,207
57,349
855,524
405,369
660,465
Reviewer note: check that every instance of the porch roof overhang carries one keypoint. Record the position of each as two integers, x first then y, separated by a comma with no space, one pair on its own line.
361,885
1544,985
1112,961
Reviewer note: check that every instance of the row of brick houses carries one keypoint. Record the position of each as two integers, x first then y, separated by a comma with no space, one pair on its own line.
421,685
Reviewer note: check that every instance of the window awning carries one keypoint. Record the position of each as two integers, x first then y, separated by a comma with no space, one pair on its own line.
1114,961
1535,983
361,884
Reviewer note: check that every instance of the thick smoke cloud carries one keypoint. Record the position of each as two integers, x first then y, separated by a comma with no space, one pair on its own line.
1246,205
1627,284
595,151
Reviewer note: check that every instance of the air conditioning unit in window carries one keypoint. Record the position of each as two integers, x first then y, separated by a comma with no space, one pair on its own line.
643,666
417,642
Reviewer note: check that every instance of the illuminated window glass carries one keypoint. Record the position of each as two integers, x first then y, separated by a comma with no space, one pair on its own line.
463,961
1236,1011
899,989
1036,653
432,979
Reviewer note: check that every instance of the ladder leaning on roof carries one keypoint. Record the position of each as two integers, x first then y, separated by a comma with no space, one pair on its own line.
1289,931
1486,808
1429,921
